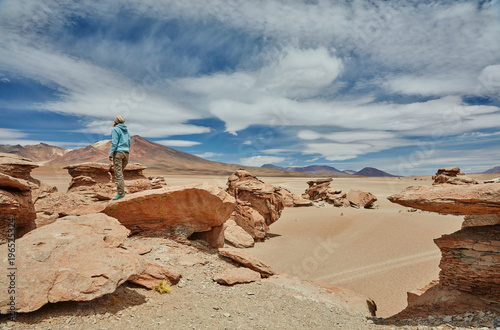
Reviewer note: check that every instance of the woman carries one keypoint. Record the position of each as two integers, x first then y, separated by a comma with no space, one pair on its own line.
120,148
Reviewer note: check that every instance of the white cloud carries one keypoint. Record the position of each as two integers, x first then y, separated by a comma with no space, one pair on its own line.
5,80
10,134
178,143
260,160
208,154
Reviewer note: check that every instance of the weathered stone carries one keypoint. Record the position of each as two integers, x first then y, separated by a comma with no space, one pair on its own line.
246,260
236,276
75,258
452,199
471,261
452,175
196,207
214,237
17,167
293,200
360,198
154,273
10,182
189,261
136,248
481,220
237,236
320,190
253,193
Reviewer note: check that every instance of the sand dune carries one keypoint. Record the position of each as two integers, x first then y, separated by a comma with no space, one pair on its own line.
381,253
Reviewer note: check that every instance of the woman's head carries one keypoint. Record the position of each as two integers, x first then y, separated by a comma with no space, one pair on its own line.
119,120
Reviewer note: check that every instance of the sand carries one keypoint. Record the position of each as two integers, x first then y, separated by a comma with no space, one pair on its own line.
381,253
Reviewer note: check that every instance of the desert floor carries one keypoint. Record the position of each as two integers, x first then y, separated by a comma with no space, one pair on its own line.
381,253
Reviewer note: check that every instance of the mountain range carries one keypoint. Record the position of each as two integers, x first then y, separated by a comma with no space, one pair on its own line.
367,171
159,157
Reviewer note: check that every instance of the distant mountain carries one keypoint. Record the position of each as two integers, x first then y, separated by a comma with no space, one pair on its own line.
307,169
492,170
370,171
39,153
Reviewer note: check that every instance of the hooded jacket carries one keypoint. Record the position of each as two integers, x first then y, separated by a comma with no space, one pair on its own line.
120,139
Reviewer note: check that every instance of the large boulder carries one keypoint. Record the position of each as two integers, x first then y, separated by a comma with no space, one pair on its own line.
258,204
320,190
75,258
292,200
195,208
92,178
452,199
17,167
481,220
359,198
237,236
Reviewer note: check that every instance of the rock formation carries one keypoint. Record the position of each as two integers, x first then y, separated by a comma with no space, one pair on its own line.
258,204
236,276
293,200
470,261
17,211
247,260
237,236
452,175
188,209
320,190
90,178
452,199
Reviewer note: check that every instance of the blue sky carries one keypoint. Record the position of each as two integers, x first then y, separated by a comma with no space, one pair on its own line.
404,86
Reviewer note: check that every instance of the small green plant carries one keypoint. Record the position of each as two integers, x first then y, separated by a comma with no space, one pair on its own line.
163,287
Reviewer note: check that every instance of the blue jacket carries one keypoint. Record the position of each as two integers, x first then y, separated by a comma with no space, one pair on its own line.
120,139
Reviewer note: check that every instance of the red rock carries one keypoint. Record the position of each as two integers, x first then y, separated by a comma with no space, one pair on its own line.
196,208
481,220
237,236
471,261
360,198
452,175
293,200
17,167
154,273
452,199
253,193
247,260
214,237
320,190
73,259
236,276
136,248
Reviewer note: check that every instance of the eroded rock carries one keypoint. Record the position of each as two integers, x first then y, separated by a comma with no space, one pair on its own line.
247,260
237,236
359,198
236,276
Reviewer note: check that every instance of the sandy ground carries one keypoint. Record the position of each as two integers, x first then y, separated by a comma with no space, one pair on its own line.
381,253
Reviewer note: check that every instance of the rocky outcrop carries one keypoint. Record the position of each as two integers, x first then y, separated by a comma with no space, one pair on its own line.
358,198
190,208
74,259
258,204
91,178
470,261
154,273
247,260
237,236
452,199
17,211
320,190
452,175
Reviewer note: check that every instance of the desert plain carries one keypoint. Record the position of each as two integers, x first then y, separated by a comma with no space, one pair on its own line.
381,253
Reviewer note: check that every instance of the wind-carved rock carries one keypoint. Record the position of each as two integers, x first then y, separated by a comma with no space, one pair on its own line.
452,175
258,204
320,190
92,178
470,261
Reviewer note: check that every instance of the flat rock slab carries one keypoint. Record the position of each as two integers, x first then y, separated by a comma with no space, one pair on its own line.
452,199
236,276
198,206
247,260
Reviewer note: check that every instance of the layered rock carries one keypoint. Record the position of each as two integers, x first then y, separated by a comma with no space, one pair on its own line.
17,211
470,261
452,175
237,236
452,199
190,209
247,260
258,204
320,190
292,200
91,178
236,276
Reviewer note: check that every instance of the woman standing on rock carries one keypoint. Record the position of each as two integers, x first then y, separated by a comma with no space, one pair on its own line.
120,148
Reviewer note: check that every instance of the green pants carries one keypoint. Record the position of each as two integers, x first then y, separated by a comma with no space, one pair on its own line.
120,160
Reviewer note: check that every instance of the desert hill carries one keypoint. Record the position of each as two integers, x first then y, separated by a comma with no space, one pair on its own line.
373,172
308,169
39,153
492,170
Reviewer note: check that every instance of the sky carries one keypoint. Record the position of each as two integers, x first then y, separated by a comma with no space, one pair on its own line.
405,86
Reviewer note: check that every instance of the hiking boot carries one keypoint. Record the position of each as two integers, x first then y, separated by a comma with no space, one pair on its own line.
119,196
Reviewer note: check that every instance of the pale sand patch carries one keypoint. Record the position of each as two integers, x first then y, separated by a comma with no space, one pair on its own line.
381,253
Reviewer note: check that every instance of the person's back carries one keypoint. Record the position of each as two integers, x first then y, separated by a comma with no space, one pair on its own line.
119,152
